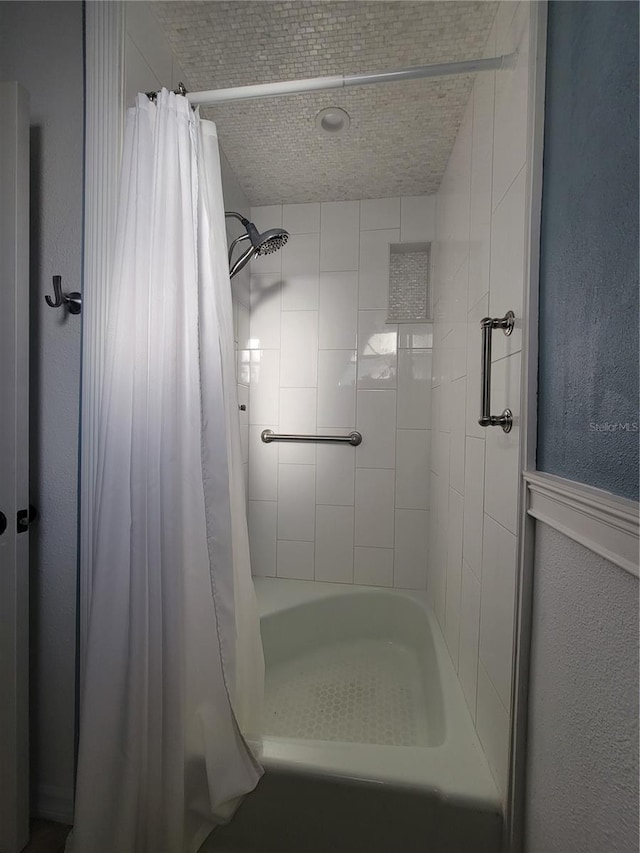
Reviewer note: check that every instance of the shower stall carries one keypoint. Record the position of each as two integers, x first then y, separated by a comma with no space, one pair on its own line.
429,500
380,411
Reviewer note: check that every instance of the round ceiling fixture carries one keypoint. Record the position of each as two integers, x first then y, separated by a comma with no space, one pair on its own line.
333,121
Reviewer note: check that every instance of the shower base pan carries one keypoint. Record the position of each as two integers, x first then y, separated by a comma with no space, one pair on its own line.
368,743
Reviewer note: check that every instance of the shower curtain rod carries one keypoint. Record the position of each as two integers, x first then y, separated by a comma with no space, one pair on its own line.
342,81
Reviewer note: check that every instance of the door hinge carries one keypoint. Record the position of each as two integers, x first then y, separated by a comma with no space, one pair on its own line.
24,518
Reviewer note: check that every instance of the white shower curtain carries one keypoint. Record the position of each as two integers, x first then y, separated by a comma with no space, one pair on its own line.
174,670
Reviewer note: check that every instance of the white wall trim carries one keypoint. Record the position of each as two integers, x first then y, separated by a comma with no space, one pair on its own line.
104,45
54,803
602,522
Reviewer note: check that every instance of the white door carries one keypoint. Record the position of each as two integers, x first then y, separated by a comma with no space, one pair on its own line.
14,467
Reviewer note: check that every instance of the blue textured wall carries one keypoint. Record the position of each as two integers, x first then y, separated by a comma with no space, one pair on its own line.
588,370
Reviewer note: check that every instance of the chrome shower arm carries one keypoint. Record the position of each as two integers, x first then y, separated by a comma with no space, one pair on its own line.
235,243
239,216
242,261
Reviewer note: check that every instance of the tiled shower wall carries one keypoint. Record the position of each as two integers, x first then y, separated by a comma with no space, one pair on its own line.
235,199
479,262
322,359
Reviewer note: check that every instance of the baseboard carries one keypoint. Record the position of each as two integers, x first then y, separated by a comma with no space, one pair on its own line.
53,803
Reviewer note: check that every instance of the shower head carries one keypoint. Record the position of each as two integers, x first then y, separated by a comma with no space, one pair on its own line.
267,242
273,240
261,244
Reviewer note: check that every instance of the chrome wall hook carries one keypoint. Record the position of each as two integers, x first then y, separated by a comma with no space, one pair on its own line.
73,300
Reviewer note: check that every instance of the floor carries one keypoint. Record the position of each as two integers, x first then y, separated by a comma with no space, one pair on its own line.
47,837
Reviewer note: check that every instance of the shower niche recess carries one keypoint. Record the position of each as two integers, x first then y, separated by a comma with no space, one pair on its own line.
409,283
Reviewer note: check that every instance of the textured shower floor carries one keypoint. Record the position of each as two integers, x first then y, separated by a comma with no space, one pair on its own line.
358,691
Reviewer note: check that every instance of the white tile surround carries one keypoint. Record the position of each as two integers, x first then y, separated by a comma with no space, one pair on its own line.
323,360
236,200
478,269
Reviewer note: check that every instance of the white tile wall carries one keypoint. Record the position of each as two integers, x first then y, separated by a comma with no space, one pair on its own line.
380,213
375,489
457,399
415,336
324,360
373,291
338,321
377,350
492,725
240,290
295,560
297,415
265,217
411,548
301,273
502,459
440,460
507,264
373,566
334,543
263,470
301,218
337,388
266,301
478,263
497,606
244,327
301,257
510,114
438,576
414,391
339,235
481,172
299,349
302,291
243,417
412,468
473,504
263,517
264,392
469,636
335,474
376,420
418,219
454,573
297,502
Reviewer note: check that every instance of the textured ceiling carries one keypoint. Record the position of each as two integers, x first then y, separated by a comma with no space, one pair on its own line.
401,134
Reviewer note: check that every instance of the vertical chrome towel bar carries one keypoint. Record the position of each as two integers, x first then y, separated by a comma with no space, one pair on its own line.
488,324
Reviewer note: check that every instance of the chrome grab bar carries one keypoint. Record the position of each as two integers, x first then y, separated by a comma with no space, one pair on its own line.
488,324
354,438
